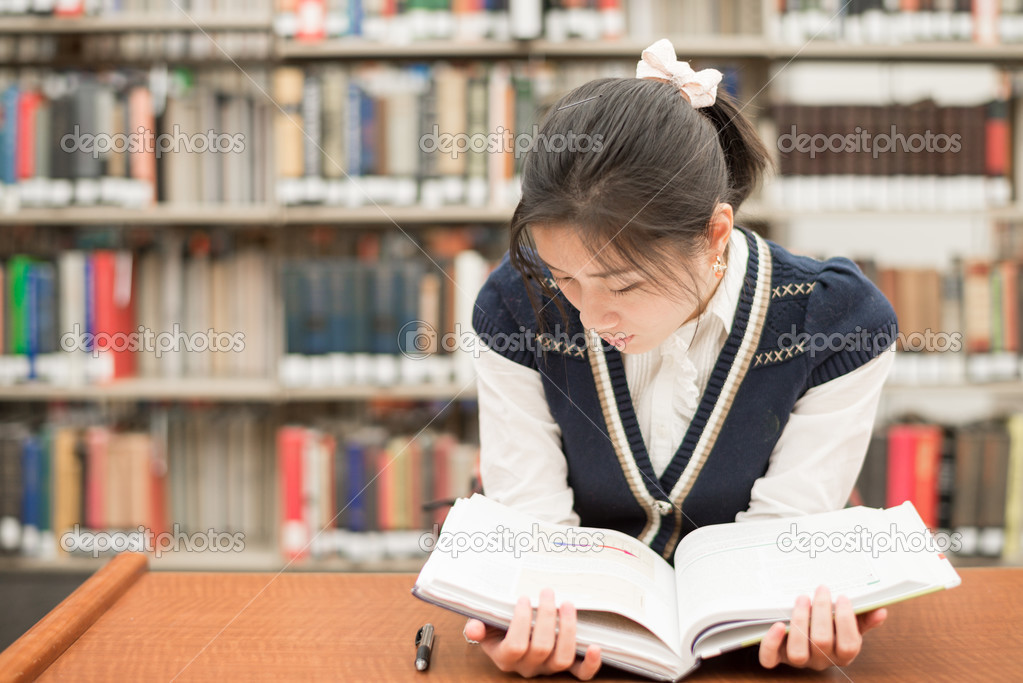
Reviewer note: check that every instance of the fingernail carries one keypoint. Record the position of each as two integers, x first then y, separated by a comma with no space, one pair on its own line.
468,639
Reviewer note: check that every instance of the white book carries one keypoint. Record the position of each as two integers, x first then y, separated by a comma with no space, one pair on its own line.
730,582
526,17
71,271
172,354
470,273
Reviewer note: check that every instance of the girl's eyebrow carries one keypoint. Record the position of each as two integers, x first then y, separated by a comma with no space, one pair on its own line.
611,272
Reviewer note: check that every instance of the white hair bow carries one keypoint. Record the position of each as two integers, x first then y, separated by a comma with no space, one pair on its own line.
659,61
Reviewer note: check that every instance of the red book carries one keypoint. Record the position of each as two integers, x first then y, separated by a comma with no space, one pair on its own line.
97,440
294,530
385,488
113,313
928,461
312,20
69,8
143,162
985,21
996,135
158,489
329,503
611,13
25,146
443,446
902,447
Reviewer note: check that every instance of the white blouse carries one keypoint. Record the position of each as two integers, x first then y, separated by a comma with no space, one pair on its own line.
814,464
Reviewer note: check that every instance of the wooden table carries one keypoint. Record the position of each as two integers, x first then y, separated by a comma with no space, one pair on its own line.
126,623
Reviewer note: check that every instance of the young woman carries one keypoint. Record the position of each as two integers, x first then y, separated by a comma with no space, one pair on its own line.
653,368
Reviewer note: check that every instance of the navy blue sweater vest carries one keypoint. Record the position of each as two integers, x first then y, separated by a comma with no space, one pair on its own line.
799,323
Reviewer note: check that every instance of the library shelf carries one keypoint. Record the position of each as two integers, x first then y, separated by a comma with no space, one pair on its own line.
1005,389
163,214
255,215
262,559
397,215
687,47
384,215
268,559
241,390
126,24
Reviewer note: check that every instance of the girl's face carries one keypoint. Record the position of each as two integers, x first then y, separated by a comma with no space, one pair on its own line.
624,307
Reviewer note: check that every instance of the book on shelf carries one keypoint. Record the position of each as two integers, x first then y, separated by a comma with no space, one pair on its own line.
378,134
468,21
884,23
80,485
379,319
892,136
958,324
728,585
175,304
135,9
129,138
966,481
93,316
366,493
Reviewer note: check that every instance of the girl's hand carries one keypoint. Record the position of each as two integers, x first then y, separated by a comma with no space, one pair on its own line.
815,639
541,652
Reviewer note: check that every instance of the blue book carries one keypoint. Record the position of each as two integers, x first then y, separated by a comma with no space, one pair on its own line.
317,311
46,481
342,336
31,485
368,133
362,314
9,135
356,498
46,300
90,298
385,332
355,18
353,130
293,283
32,311
408,305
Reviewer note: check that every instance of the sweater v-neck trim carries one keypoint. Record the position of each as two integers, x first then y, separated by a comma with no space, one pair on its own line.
663,495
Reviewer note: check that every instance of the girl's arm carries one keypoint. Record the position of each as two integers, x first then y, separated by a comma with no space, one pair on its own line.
521,459
522,465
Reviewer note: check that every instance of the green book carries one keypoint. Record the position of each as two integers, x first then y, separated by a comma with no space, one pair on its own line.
18,324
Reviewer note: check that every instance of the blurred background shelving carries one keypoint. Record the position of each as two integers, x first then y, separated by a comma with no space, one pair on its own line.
334,229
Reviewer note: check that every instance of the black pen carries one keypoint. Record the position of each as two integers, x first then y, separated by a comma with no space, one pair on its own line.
424,646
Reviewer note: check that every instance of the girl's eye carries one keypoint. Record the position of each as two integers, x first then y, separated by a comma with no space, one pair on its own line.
624,290
560,279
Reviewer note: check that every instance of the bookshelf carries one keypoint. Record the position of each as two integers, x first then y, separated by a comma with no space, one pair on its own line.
250,391
140,22
753,56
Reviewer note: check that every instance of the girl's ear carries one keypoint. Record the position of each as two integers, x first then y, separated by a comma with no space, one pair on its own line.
720,229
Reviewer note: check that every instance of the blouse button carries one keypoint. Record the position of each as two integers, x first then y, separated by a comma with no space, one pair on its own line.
664,507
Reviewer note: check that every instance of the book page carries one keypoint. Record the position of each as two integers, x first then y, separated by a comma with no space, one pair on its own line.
756,570
497,554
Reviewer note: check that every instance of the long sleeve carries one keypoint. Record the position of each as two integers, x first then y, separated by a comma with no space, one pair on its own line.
815,463
522,463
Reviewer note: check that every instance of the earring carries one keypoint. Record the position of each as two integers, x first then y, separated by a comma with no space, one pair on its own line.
719,268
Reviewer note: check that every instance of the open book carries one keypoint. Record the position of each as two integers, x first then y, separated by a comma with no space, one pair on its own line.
730,582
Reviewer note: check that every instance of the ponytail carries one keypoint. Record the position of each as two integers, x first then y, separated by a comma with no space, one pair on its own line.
746,156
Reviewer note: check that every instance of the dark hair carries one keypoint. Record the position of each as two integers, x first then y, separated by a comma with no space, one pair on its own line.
640,169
